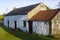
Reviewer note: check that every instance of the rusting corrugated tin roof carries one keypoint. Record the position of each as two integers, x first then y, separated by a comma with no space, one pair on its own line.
44,15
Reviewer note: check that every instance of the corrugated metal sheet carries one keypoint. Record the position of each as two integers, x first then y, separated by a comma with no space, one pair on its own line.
44,15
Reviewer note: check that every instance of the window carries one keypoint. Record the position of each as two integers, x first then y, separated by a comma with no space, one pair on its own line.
42,6
46,23
24,23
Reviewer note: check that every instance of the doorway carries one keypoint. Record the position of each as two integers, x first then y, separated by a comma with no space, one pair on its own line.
30,23
8,23
15,24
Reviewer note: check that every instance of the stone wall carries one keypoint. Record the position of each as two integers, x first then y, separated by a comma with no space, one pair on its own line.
56,24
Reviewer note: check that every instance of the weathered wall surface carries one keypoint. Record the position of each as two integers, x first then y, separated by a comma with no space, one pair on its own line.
41,27
38,27
19,19
56,24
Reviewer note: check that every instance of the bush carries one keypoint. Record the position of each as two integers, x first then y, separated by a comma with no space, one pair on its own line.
1,17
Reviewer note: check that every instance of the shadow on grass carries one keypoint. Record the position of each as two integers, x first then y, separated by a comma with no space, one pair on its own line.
25,35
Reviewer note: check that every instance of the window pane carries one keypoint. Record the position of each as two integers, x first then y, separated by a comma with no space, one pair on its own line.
24,23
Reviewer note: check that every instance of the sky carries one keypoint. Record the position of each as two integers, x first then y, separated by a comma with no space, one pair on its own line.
7,5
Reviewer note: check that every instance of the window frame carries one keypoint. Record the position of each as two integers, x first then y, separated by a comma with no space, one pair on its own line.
24,23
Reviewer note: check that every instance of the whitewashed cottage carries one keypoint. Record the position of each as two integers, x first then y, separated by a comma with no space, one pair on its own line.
35,18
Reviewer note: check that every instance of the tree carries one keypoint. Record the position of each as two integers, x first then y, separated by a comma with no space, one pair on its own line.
1,17
58,5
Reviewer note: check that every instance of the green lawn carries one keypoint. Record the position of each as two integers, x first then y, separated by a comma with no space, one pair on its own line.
11,34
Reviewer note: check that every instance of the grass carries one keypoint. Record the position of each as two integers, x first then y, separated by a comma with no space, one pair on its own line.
11,34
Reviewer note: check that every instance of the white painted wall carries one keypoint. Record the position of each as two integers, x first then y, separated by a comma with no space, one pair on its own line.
38,27
41,27
19,19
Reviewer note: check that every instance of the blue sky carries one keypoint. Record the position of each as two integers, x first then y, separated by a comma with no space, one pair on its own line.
9,4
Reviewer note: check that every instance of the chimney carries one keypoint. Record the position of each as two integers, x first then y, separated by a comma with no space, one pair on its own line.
14,8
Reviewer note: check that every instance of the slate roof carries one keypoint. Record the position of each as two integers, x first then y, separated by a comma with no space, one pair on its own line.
45,15
22,10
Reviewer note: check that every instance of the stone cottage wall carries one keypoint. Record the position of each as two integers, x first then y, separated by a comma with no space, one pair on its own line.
19,19
56,24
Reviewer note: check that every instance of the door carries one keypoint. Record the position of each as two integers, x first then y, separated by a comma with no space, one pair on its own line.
15,24
30,26
8,23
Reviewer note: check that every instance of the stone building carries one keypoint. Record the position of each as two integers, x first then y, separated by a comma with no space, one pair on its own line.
35,18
